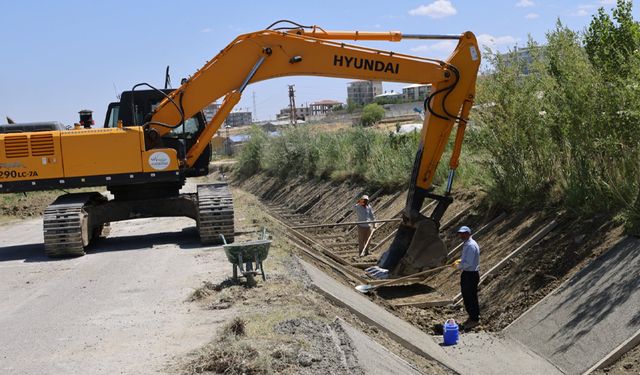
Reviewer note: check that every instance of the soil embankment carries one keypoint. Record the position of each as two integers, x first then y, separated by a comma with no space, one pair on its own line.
526,279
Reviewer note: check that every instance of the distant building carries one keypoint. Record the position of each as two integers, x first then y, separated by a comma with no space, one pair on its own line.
388,97
238,119
521,56
323,107
302,113
416,92
363,92
210,111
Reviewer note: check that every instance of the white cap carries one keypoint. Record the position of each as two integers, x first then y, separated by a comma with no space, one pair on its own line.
464,229
365,197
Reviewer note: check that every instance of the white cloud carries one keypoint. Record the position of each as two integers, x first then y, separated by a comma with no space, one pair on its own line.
607,2
532,16
443,46
437,9
495,42
525,3
582,10
205,30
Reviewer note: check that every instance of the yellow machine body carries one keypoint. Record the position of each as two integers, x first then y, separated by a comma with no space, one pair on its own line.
73,157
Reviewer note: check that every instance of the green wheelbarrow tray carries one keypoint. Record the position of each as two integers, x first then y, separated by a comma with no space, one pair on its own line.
247,257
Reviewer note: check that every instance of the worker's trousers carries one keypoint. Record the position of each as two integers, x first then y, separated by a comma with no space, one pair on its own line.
363,236
469,281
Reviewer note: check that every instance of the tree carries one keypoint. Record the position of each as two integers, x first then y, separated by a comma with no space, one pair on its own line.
371,114
612,43
352,106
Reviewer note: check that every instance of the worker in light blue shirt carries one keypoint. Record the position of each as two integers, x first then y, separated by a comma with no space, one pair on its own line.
469,264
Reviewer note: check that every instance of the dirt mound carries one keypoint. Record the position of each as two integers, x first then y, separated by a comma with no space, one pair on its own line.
328,348
629,364
302,345
28,204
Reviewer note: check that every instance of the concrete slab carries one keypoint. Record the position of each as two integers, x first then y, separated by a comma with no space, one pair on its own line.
466,358
374,358
588,316
406,334
491,354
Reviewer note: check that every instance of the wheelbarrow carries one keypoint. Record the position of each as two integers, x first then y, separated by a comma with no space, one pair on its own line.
247,257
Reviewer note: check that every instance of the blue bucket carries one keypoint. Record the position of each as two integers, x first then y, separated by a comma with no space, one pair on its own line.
450,332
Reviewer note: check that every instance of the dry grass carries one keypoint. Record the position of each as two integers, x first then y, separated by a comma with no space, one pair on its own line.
208,289
236,327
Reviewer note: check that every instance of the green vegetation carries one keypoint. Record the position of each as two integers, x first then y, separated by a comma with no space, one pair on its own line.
568,131
249,159
352,107
367,155
358,153
559,129
371,114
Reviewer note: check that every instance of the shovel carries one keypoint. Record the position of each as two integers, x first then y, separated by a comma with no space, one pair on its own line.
366,244
365,288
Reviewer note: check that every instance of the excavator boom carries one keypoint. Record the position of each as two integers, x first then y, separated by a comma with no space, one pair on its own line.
269,54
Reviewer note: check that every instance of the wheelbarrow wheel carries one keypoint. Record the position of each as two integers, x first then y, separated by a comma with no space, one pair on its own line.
251,281
235,272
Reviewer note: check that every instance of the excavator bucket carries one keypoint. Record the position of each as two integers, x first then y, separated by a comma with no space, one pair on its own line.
426,250
414,249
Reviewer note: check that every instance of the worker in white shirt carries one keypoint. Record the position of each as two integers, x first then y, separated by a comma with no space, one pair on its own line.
469,264
364,213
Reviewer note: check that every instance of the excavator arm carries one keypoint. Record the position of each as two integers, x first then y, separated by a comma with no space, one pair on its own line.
269,54
315,52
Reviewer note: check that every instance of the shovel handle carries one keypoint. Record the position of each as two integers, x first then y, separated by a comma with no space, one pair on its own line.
364,248
392,281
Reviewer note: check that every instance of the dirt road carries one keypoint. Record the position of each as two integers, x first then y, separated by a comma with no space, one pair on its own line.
118,310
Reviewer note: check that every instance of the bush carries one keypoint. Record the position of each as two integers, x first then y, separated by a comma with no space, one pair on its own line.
568,130
362,154
249,160
371,114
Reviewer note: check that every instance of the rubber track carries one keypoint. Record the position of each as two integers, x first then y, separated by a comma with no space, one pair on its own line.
215,213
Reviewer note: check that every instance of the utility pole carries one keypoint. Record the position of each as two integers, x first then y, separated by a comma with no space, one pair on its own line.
292,106
255,111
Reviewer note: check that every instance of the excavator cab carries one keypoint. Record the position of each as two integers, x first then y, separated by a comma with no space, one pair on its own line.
180,138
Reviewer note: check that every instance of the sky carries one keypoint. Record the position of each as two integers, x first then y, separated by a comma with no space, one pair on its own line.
58,57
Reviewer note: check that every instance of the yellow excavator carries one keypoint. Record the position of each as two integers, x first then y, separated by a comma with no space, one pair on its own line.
154,139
